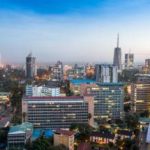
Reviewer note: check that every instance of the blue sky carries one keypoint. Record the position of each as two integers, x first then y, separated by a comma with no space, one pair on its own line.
73,30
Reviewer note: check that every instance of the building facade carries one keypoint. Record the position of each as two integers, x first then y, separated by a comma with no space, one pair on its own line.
141,96
58,112
18,135
129,61
102,137
31,70
42,91
106,73
146,67
108,100
64,137
57,70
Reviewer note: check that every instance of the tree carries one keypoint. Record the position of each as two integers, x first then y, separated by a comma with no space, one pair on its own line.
145,113
84,131
127,143
127,107
41,143
132,121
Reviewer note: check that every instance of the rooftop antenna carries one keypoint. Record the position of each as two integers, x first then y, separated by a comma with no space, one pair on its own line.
118,40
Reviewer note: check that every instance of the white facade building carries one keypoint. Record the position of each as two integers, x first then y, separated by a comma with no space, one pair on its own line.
106,73
41,91
129,61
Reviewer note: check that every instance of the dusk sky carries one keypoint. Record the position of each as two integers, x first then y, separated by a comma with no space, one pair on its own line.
73,30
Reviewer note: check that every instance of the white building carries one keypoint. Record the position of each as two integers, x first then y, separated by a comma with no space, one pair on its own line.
106,73
129,61
42,91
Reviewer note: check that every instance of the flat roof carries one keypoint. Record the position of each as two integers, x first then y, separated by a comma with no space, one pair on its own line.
111,84
22,128
144,119
38,132
64,132
82,81
52,97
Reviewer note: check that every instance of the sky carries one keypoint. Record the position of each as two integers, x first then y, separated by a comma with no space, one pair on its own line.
73,30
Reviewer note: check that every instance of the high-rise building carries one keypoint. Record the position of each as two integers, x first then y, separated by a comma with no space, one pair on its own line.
147,63
30,66
117,56
58,112
141,96
106,73
58,71
108,100
146,67
129,61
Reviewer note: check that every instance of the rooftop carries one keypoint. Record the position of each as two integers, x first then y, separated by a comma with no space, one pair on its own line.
103,134
38,132
64,132
53,97
82,81
111,84
144,119
22,128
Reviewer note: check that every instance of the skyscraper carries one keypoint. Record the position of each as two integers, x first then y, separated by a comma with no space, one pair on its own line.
30,66
106,73
129,61
117,56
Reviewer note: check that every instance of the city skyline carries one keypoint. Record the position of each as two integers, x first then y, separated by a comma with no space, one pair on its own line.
73,31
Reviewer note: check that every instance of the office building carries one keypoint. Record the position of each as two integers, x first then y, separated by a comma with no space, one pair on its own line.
106,73
57,71
42,91
57,112
141,96
31,70
147,63
64,137
146,67
108,100
18,135
117,57
79,86
129,61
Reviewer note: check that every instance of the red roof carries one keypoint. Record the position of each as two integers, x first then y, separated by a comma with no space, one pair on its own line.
64,132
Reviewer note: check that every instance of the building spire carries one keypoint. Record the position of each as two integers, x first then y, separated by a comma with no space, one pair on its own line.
118,40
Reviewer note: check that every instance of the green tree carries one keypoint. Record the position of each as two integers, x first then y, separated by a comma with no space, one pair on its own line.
132,121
